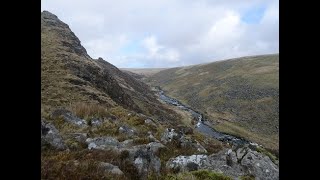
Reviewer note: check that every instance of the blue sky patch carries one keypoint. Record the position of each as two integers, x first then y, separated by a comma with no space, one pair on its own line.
253,15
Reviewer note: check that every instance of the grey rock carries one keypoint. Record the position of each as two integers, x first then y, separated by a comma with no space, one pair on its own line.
260,166
50,135
110,168
69,117
103,143
146,161
168,135
180,163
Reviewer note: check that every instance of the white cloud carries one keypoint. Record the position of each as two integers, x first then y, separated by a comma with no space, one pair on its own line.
171,32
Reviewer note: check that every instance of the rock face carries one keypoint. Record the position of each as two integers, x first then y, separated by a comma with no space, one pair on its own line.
235,164
50,136
69,117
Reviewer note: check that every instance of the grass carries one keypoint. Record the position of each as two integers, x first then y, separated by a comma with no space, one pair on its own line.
199,175
88,110
242,92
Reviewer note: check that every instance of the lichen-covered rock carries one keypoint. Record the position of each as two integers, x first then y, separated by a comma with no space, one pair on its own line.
50,136
69,117
260,166
182,163
103,143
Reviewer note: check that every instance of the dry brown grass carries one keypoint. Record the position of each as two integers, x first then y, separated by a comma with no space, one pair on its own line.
86,110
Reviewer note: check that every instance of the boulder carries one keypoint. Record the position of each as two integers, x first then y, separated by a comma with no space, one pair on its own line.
183,163
103,143
260,166
50,136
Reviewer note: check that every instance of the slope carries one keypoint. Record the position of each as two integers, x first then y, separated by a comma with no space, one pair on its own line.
241,96
69,76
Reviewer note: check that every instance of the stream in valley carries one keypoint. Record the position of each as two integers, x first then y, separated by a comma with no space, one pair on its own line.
203,125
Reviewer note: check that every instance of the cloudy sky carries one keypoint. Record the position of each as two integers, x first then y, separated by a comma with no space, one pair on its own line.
169,33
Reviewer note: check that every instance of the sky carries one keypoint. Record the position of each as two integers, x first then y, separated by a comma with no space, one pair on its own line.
170,33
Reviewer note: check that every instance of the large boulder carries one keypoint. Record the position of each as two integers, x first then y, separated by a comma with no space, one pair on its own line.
50,136
260,166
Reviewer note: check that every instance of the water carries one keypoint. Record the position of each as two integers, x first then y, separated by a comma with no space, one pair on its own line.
203,126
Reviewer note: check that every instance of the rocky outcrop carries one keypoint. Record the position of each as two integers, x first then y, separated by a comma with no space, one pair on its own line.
143,156
50,137
238,163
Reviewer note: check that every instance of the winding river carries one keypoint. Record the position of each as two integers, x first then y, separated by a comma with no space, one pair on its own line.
203,126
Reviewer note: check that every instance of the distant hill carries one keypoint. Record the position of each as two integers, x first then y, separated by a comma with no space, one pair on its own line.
143,72
240,95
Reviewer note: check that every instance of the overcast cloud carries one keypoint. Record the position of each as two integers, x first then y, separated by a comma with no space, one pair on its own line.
169,33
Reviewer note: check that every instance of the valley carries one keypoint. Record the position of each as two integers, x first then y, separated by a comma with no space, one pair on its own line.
212,121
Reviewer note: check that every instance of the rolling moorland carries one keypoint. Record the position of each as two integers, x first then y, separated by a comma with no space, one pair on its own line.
98,122
240,96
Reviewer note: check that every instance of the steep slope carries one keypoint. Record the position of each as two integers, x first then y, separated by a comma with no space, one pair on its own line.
240,95
69,75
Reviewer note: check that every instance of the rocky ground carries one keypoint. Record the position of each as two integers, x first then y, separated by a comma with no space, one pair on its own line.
147,153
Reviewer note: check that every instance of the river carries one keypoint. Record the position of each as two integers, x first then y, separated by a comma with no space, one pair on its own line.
203,126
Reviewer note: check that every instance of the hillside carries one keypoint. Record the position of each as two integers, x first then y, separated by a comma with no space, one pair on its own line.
70,76
98,122
241,96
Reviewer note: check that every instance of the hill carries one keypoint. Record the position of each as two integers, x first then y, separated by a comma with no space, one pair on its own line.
241,96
